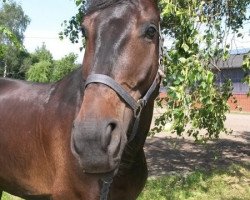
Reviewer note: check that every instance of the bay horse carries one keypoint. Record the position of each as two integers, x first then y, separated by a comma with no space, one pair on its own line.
62,140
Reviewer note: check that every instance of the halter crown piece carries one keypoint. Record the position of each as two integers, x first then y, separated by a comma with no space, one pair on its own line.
136,106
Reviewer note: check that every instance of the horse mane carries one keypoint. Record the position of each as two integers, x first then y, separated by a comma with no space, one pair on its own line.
93,5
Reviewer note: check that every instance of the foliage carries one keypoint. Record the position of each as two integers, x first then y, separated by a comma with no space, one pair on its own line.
42,54
11,37
40,72
13,17
246,68
71,27
15,61
231,183
4,48
198,29
43,68
39,65
7,196
63,67
13,23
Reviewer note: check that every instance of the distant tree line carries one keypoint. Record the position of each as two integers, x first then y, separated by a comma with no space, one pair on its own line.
16,61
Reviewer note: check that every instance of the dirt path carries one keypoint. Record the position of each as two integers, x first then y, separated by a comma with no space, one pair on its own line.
171,154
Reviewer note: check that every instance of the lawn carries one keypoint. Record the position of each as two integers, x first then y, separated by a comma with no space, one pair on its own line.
9,197
230,184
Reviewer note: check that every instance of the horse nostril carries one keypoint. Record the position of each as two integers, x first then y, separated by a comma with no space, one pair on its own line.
76,149
107,135
112,126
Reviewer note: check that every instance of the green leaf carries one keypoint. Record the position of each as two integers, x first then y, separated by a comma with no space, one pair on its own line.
185,47
182,59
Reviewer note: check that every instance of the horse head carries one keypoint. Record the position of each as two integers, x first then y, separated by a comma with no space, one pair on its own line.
122,49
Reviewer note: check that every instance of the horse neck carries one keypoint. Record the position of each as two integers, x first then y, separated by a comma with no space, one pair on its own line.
68,92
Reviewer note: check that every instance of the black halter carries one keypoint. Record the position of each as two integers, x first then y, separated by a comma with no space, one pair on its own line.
136,106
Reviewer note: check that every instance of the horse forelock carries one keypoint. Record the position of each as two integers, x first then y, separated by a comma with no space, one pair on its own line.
93,5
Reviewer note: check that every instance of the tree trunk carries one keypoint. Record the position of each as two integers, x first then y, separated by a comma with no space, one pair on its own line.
5,69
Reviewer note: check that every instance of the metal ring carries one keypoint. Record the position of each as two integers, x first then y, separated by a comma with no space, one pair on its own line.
107,180
137,111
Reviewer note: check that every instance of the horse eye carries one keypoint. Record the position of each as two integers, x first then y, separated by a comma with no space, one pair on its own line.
150,32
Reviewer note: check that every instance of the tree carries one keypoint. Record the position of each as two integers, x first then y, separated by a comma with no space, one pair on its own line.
13,23
63,67
11,37
199,30
42,54
40,72
3,48
43,68
39,65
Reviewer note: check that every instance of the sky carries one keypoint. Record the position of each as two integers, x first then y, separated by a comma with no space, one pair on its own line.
46,19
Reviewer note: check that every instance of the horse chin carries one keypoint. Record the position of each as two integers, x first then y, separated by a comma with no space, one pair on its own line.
102,173
97,149
103,170
92,166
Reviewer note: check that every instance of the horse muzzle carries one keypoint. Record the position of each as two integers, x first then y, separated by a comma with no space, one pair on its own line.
97,145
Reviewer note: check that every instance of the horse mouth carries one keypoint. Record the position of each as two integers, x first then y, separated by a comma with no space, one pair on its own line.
91,163
101,170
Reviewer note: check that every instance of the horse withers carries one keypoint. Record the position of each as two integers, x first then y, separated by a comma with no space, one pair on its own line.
57,141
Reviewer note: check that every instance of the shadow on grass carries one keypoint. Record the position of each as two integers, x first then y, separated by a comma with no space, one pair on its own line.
227,184
175,155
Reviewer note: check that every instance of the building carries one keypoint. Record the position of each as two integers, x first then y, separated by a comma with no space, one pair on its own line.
232,69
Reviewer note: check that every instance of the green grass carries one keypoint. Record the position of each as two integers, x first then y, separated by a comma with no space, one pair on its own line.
7,196
228,184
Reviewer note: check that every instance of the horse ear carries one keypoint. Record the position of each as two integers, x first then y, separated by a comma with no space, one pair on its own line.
92,3
88,3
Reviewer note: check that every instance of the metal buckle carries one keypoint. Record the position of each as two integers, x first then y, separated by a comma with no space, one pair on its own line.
137,111
106,182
